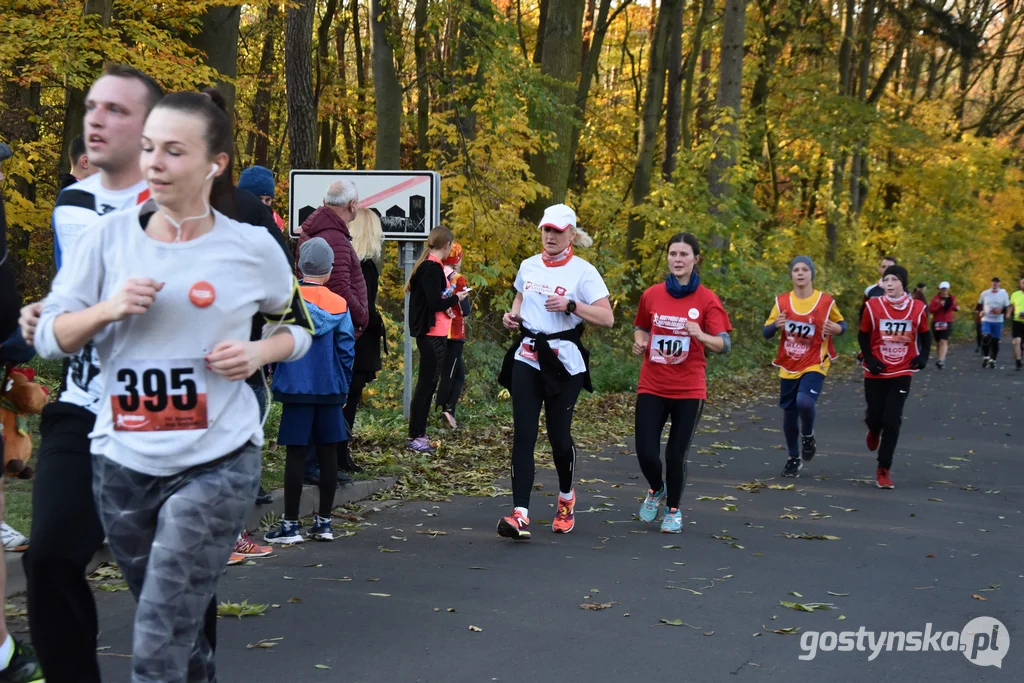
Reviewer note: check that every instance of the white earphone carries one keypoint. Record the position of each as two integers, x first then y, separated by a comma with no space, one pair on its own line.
213,171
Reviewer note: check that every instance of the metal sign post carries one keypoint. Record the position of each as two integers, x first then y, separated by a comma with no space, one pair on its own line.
407,257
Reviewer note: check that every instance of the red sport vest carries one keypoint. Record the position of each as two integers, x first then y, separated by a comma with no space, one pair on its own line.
803,335
894,335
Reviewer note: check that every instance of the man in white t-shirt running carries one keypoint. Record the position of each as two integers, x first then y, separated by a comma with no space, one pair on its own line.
994,302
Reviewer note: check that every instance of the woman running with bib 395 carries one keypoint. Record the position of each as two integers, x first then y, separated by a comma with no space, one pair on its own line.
808,320
556,292
895,341
675,322
167,292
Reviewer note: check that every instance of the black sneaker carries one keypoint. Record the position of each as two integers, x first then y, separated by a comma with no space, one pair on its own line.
264,498
23,667
808,448
940,364
792,468
1019,363
984,362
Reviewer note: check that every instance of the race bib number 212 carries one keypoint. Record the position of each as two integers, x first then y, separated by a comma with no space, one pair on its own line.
159,395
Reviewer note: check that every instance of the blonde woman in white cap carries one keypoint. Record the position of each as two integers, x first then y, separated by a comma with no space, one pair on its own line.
942,307
556,293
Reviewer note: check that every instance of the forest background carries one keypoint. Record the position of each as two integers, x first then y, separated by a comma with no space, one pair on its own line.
844,130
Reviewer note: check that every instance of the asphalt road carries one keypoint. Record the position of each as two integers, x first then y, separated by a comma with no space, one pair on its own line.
942,548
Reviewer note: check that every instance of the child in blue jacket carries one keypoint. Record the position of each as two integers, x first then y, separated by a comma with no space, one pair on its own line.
313,391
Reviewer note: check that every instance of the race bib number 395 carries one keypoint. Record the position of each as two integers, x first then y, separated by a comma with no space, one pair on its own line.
158,395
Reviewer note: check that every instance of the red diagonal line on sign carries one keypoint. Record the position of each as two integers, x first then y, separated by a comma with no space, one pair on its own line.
391,191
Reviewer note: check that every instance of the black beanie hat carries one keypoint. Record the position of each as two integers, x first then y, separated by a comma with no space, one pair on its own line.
900,272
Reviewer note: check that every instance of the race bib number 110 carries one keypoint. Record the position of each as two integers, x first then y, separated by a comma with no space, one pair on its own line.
159,395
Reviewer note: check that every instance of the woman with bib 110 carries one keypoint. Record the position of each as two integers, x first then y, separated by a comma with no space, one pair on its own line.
167,292
675,322
556,292
895,341
808,320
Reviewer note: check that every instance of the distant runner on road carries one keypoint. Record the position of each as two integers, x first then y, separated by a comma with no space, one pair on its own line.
1017,316
808,319
994,301
942,307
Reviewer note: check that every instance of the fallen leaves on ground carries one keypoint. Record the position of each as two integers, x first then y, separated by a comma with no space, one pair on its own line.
596,606
264,644
811,537
806,606
240,609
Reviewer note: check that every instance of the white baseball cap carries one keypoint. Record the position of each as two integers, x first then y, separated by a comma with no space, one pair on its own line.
943,285
558,216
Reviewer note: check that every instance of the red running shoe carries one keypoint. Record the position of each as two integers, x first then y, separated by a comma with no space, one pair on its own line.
874,438
516,526
565,518
882,478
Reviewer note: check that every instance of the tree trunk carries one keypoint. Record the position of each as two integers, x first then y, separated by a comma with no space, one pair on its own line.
386,87
422,88
833,211
74,107
298,66
256,148
348,133
324,77
593,55
704,94
673,107
563,42
703,11
649,123
542,25
730,94
867,32
218,40
357,46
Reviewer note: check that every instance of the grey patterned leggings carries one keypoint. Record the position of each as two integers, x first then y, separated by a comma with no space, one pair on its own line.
172,537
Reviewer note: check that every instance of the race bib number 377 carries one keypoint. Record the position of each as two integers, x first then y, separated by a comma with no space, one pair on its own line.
896,330
159,395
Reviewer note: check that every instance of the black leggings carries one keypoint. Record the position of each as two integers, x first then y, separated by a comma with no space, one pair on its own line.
294,465
431,358
990,346
527,396
453,376
886,398
651,414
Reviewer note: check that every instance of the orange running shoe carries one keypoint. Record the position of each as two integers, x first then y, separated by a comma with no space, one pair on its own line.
516,526
565,520
236,559
247,548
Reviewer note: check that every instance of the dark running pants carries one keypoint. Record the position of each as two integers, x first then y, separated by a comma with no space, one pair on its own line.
886,398
431,357
453,376
527,398
651,414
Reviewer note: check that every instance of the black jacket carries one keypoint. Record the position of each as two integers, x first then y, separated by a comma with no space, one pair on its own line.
425,297
368,345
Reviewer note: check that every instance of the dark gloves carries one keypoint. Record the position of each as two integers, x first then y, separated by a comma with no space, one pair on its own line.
947,303
874,366
917,363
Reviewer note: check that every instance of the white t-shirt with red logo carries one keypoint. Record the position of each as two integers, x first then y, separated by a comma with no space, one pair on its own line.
577,280
674,364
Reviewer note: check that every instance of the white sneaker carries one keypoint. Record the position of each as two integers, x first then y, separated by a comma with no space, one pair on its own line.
10,537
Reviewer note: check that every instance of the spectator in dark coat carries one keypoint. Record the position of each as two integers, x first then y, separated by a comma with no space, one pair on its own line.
330,222
367,239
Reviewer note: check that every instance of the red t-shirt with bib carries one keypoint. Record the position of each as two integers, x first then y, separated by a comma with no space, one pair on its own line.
893,334
673,367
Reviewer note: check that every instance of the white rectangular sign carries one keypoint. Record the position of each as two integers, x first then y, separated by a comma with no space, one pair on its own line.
408,202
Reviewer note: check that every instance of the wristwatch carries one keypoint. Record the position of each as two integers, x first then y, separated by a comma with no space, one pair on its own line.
570,307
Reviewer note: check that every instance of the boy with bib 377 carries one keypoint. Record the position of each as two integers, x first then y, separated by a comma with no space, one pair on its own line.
808,320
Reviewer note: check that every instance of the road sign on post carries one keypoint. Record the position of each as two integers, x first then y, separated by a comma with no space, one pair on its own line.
408,204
